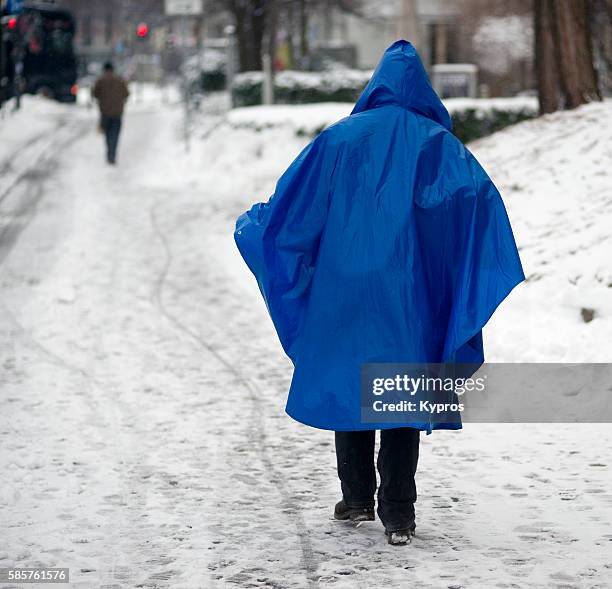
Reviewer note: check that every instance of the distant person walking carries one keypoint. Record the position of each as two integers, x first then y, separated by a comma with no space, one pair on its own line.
111,92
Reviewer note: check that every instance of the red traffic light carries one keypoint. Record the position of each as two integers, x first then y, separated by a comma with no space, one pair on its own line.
142,30
12,23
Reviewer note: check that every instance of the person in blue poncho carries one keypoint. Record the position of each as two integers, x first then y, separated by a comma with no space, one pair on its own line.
384,242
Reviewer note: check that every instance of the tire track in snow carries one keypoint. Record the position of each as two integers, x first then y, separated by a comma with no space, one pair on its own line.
27,189
40,169
39,154
309,563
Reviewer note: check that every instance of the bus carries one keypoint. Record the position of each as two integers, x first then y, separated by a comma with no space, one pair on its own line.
7,64
43,52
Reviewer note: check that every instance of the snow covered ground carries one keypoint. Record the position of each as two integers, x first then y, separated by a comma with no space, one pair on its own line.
143,440
555,175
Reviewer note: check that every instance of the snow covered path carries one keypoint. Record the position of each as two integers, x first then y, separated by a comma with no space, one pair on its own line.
143,440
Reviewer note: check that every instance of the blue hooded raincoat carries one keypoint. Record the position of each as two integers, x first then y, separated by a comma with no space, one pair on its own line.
385,241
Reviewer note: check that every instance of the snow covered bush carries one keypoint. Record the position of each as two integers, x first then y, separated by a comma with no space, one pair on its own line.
474,118
294,87
207,72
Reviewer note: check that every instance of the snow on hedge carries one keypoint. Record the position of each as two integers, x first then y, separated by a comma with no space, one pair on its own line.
310,118
297,87
484,105
210,60
331,80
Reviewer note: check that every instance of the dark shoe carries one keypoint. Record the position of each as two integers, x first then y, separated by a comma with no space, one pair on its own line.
400,537
355,514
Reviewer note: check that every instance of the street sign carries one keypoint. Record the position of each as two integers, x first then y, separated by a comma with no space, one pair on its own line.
452,80
184,7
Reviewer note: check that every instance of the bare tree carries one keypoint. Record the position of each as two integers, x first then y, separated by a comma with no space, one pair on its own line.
249,18
564,54
601,20
271,29
304,45
257,22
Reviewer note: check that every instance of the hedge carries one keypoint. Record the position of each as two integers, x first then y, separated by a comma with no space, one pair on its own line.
471,123
472,117
292,87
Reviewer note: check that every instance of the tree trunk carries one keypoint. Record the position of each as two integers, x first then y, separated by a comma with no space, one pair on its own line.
304,48
601,31
290,20
249,18
564,54
271,30
258,27
546,59
579,81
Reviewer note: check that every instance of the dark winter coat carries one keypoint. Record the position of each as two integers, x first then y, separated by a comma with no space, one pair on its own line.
111,92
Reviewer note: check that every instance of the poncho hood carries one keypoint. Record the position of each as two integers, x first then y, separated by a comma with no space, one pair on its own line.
400,79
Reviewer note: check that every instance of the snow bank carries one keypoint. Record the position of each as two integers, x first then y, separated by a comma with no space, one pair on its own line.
554,174
306,118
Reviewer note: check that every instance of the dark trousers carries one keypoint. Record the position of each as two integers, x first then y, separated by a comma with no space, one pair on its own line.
112,128
396,462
